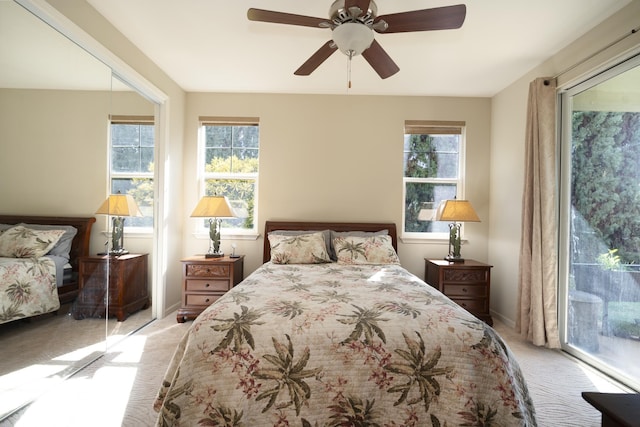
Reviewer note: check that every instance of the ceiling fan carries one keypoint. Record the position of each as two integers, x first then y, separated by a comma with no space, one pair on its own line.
352,23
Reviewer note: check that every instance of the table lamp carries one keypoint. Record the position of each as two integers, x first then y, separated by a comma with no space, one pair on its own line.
119,206
214,208
456,211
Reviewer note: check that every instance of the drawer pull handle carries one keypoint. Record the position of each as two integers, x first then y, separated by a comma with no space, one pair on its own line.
207,285
207,300
464,290
464,304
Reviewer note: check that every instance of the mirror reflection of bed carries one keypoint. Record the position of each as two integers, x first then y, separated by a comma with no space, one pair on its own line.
55,100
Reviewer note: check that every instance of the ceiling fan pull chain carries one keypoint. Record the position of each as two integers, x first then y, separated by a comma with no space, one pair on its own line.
349,68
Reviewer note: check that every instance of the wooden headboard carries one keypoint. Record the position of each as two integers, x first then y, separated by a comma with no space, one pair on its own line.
319,226
81,241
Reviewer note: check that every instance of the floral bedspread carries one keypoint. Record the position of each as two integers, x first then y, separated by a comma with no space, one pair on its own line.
27,287
340,345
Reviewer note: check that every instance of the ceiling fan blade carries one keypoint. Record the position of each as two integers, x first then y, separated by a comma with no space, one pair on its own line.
285,18
380,61
439,18
316,59
363,5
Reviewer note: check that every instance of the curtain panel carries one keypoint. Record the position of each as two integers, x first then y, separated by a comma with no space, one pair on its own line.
538,284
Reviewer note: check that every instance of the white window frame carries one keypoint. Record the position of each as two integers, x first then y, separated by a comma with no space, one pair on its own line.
130,119
203,175
432,127
565,101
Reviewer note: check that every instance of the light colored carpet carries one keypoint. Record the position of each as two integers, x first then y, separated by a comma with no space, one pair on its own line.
556,382
119,389
38,354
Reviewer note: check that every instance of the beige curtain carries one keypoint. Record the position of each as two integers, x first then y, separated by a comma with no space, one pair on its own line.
538,308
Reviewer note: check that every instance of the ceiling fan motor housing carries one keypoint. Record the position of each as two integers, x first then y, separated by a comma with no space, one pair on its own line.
339,14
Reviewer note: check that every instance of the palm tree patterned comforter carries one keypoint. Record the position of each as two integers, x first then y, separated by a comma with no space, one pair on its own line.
27,287
341,345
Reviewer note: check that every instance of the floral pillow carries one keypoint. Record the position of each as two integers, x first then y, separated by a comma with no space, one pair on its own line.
298,249
365,250
22,242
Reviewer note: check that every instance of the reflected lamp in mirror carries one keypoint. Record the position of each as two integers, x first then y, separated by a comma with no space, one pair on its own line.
118,206
214,208
456,211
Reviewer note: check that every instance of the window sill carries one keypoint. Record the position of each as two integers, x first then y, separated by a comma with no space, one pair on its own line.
223,236
429,240
142,233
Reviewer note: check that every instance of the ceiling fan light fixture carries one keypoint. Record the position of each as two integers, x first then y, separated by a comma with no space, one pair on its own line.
352,38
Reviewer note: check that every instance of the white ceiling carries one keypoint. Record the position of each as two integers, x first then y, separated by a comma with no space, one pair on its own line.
211,46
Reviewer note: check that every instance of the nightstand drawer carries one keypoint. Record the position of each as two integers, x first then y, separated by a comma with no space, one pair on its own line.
472,305
207,285
199,299
207,270
465,275
465,290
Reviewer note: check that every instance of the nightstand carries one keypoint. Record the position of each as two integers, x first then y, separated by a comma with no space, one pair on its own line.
128,291
618,409
204,280
467,283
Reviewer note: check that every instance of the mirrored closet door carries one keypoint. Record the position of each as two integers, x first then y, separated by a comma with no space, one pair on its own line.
56,106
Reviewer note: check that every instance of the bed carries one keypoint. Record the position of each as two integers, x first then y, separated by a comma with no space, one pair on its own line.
39,263
332,331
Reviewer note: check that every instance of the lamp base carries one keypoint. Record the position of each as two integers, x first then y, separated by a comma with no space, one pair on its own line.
214,255
451,258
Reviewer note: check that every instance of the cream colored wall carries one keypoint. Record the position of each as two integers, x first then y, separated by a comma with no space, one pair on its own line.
339,158
508,123
49,167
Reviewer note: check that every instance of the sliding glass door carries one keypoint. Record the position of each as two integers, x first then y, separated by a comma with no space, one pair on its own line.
600,221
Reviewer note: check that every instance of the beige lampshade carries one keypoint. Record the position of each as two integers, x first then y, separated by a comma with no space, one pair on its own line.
457,211
119,205
213,206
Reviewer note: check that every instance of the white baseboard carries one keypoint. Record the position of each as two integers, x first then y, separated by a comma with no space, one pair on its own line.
170,310
510,323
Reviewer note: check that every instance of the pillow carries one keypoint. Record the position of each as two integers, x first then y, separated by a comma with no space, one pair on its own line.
63,247
334,234
298,249
365,250
22,242
326,234
4,227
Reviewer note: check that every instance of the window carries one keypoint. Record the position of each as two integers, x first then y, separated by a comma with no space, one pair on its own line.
229,167
131,171
433,164
599,228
